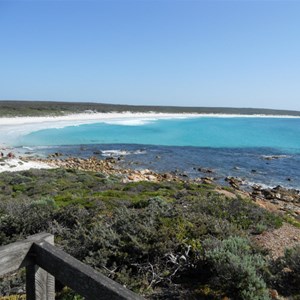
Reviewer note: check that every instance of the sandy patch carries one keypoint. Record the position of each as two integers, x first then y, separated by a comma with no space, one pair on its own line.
16,164
278,240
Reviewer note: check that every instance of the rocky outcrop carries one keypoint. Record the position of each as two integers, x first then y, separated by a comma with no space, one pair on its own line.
286,200
234,182
108,166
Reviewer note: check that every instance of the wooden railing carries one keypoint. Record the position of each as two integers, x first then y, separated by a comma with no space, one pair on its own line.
44,262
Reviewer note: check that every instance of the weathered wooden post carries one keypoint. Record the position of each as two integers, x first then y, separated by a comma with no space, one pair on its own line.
39,283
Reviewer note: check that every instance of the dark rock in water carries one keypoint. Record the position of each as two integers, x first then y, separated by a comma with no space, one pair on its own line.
205,170
183,174
271,157
97,152
231,178
268,157
158,157
253,171
56,154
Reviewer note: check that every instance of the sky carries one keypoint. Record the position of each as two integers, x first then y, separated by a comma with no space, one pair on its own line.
152,52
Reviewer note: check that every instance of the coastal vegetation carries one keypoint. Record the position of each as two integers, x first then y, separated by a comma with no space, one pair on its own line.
51,108
164,240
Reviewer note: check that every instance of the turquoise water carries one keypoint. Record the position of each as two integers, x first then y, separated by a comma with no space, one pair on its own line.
230,146
277,133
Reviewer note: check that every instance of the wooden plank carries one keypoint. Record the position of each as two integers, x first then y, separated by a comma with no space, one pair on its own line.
14,256
81,278
39,283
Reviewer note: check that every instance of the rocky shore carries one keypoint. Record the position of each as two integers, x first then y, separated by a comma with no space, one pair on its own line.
108,166
274,199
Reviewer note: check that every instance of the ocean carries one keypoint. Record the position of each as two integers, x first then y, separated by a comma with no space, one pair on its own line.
260,150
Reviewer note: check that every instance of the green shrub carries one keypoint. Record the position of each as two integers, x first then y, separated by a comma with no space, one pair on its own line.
237,268
18,220
45,202
292,261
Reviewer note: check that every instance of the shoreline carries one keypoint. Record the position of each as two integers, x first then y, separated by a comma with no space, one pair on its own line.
13,127
114,165
93,117
250,167
277,198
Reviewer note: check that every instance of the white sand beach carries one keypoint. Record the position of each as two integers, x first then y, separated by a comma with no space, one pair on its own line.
17,164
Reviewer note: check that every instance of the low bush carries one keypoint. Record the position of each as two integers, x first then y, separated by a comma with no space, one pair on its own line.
237,268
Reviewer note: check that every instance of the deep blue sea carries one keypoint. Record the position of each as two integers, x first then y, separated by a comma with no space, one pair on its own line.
231,146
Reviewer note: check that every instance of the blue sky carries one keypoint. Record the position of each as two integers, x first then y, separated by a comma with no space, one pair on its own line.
160,52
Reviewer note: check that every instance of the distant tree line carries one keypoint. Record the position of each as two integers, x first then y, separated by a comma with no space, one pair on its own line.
50,108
